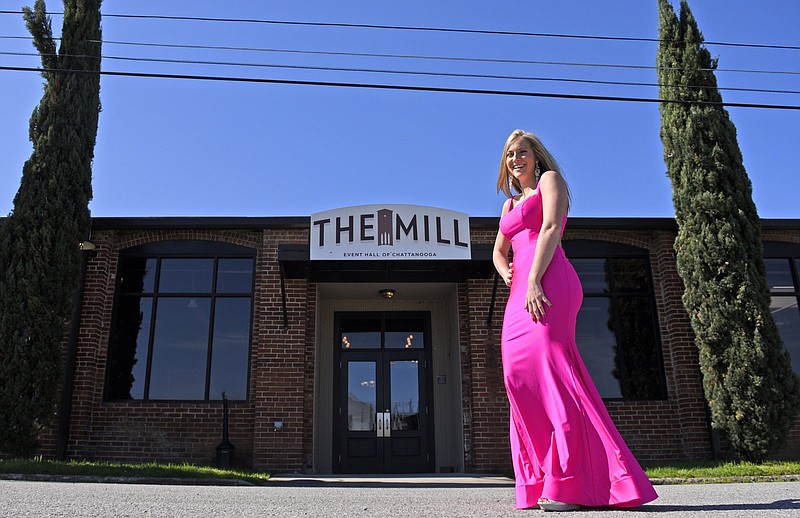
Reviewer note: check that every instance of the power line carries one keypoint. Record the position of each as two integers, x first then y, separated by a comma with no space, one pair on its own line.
411,73
417,57
403,87
422,29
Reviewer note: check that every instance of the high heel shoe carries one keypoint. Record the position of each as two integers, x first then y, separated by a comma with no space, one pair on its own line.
552,505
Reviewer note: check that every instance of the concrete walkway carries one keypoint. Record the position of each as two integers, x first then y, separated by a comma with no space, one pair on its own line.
339,496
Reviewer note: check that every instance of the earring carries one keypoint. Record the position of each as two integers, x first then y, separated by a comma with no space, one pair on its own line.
538,171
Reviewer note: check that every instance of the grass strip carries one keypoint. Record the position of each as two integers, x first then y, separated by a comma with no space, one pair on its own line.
721,471
108,469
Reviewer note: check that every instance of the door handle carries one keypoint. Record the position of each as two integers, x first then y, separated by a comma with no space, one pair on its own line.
384,424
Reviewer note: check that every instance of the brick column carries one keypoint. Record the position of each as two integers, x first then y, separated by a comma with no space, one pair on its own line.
490,411
278,362
681,359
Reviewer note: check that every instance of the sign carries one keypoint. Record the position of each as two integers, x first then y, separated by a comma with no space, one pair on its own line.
389,232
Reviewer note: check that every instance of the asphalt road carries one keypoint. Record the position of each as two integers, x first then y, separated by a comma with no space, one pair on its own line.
457,496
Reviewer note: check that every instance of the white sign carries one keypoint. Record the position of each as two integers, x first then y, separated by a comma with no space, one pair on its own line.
389,232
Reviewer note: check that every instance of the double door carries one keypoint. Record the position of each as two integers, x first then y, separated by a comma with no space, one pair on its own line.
381,402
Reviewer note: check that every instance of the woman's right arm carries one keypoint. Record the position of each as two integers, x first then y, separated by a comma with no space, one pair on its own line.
500,254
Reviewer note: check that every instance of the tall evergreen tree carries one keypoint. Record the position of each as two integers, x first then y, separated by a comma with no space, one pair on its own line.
39,253
752,391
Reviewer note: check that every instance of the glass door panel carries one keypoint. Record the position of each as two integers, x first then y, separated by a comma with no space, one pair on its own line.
404,395
359,447
361,396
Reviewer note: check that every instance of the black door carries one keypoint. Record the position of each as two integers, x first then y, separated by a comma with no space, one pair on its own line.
381,403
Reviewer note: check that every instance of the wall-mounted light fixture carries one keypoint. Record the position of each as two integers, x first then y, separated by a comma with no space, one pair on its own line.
387,293
278,425
89,248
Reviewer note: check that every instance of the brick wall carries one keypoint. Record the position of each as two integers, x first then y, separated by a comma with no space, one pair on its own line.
190,431
486,411
283,361
278,365
465,349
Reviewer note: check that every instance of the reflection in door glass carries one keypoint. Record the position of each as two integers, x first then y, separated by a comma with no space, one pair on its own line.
361,333
404,333
361,396
405,340
358,340
405,395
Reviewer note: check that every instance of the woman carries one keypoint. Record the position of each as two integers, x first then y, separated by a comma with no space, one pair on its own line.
565,449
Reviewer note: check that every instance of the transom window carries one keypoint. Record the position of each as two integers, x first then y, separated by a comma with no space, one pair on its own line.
782,261
617,331
182,321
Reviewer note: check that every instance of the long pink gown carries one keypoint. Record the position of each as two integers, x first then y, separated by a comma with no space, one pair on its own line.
564,446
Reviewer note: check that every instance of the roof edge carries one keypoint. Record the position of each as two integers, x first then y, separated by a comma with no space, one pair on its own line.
303,222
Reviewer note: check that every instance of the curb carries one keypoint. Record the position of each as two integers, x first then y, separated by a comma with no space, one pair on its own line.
32,477
725,480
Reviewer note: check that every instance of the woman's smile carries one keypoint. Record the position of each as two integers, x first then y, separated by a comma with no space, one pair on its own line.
520,158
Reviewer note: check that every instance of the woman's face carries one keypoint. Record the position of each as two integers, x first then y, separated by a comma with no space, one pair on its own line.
520,159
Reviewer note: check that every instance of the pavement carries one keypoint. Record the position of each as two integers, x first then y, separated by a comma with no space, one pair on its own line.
459,495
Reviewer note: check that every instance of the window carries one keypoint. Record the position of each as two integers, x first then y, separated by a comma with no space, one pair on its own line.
617,331
782,261
182,320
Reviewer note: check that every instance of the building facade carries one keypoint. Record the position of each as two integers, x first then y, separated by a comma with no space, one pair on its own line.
323,372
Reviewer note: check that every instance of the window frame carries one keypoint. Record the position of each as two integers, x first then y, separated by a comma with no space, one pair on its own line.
609,250
790,252
181,249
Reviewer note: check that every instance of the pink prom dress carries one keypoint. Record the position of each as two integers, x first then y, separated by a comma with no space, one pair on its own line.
564,446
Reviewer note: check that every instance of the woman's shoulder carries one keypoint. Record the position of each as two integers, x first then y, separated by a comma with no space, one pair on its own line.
551,174
551,178
552,184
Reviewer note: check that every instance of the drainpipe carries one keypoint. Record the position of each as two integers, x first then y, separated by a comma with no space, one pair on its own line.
283,296
491,303
65,406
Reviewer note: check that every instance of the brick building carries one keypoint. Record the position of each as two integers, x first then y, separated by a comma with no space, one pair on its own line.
324,374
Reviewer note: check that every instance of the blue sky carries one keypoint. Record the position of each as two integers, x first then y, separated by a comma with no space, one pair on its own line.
177,147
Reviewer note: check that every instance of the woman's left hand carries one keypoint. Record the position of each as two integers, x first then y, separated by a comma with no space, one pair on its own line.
535,301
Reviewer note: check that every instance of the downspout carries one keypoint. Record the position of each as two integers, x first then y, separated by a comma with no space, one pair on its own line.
491,303
283,296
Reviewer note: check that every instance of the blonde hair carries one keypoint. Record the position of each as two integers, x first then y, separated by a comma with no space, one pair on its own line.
546,161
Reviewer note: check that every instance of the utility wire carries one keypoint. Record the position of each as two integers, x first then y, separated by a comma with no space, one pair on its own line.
406,72
402,87
412,56
424,29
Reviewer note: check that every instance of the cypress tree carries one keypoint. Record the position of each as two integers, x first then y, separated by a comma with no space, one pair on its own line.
752,391
39,253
